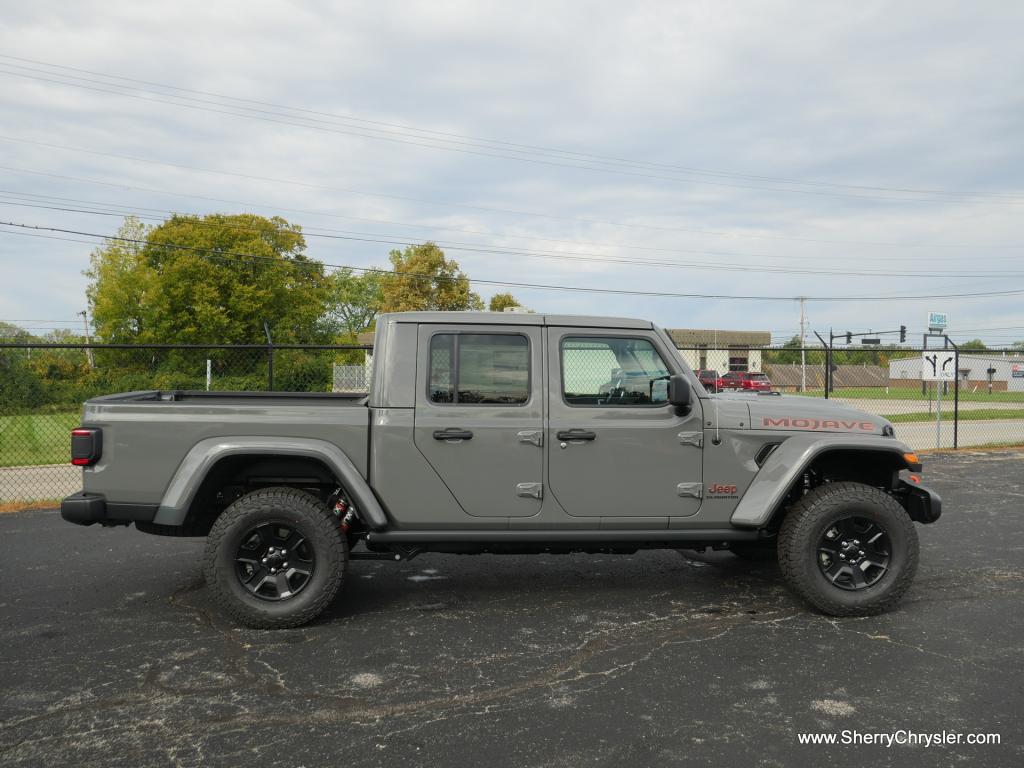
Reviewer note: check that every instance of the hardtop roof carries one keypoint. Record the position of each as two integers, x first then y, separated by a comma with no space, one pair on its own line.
515,318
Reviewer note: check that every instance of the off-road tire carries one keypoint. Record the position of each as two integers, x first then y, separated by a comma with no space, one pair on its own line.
806,522
291,507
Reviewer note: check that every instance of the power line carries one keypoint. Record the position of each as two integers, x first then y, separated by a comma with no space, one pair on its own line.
120,208
464,137
504,211
475,146
235,256
387,239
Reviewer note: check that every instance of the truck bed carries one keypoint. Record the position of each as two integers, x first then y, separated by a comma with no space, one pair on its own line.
183,395
170,423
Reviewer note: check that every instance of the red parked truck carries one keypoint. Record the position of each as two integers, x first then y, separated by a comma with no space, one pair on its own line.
710,379
752,381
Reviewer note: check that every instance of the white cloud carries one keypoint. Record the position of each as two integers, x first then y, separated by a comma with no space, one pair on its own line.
907,95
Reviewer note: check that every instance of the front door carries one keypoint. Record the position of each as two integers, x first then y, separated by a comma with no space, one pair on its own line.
616,446
480,415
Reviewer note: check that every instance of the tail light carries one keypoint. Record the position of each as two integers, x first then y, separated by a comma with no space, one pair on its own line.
86,446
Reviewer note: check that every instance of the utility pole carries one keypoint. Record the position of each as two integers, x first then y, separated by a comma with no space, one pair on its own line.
88,350
803,344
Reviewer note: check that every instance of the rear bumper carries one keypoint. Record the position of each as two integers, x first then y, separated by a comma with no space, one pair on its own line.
87,508
84,508
922,503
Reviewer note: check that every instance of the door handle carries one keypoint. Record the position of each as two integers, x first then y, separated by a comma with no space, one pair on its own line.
577,434
453,433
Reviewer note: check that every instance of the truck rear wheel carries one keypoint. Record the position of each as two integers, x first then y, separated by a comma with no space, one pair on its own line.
275,558
848,549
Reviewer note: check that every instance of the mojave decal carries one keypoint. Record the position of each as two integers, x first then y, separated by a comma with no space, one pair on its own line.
825,425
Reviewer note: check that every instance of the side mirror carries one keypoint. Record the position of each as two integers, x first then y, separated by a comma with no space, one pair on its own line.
679,391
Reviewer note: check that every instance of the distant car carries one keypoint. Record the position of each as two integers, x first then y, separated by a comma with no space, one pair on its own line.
710,379
750,381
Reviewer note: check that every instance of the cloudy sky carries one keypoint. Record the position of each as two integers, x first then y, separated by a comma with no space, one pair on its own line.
773,149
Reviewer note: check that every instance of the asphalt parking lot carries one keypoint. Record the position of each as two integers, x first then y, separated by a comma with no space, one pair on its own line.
112,654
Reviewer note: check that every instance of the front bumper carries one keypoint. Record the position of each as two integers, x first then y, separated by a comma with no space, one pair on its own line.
922,503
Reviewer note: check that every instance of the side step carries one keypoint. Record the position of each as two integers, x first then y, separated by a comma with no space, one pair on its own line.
561,536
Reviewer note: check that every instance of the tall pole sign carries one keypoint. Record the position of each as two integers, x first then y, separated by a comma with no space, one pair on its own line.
938,366
937,322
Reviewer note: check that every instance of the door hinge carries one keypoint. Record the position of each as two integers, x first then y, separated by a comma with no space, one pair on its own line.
533,436
530,490
696,490
691,438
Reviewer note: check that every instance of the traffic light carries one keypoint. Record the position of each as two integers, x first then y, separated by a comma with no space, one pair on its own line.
849,337
903,333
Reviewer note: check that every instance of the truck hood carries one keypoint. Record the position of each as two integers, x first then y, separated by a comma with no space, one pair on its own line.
793,413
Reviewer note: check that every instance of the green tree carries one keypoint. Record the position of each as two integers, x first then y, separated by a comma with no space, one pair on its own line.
187,284
500,301
424,279
353,301
13,334
974,345
789,353
119,295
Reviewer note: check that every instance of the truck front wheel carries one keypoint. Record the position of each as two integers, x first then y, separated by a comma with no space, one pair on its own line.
848,549
275,558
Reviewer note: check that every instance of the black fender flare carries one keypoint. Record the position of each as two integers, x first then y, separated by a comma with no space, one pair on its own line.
791,459
205,454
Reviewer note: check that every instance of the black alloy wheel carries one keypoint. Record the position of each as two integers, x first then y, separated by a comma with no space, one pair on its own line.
275,561
854,553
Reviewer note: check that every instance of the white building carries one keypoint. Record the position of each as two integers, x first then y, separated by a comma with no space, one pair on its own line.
977,369
721,351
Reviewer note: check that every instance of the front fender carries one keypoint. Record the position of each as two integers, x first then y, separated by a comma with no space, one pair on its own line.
205,454
789,461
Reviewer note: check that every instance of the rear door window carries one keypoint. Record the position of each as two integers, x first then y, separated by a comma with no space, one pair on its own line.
479,369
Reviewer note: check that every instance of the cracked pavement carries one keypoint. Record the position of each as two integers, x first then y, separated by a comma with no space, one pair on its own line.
113,654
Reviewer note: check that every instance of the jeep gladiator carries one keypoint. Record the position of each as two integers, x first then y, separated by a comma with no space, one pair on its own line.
501,433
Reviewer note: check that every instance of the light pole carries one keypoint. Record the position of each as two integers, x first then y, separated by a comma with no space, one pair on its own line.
803,344
88,350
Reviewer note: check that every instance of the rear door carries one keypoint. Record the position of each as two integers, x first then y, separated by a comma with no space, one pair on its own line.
480,415
616,447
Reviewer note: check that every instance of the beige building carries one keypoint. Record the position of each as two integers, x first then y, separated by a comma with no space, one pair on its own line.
721,351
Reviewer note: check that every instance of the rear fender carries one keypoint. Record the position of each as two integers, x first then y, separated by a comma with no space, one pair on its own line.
205,454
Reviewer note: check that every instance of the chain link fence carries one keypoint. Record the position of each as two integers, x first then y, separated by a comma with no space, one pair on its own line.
981,404
42,388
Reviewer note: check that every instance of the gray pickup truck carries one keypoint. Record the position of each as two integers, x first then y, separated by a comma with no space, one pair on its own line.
505,433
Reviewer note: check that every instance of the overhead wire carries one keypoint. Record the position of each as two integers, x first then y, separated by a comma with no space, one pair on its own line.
462,137
466,147
502,211
231,255
387,239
